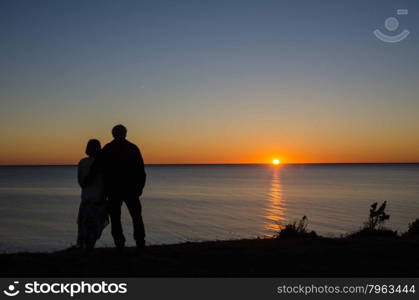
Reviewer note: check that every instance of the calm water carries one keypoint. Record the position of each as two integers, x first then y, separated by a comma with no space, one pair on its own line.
38,205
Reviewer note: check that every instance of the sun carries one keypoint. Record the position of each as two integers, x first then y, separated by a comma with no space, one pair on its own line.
276,161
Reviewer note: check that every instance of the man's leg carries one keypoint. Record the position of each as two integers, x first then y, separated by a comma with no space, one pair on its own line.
116,226
134,207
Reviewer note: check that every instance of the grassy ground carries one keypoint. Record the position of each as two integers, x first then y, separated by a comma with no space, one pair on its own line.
303,257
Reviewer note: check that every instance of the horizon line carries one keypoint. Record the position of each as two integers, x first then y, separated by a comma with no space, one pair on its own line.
224,164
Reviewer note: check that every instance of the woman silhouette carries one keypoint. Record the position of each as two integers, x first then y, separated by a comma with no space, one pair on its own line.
93,212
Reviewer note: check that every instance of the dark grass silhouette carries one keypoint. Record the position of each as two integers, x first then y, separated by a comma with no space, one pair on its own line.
296,230
413,229
298,257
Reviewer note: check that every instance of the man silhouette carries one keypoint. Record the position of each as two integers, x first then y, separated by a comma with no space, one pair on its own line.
123,168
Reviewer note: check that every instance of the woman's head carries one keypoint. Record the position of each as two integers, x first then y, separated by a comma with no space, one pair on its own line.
93,148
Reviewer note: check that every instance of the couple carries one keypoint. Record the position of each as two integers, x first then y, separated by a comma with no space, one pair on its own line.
108,177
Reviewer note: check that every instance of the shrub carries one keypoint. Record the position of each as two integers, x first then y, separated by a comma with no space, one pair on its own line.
296,230
377,217
414,228
374,226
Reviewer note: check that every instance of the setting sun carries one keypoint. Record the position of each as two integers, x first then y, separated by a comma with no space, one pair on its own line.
276,161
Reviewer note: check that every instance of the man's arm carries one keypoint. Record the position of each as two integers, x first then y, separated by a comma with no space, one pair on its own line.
141,172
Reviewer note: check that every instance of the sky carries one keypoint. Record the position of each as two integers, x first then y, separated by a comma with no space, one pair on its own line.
209,81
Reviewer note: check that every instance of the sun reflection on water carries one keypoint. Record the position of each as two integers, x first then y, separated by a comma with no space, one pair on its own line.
275,214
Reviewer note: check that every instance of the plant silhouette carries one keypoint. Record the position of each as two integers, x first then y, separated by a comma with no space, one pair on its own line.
377,217
295,229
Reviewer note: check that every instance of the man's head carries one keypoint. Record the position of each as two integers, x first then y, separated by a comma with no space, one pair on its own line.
119,132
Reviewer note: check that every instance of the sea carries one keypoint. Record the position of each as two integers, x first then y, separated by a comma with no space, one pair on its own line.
181,203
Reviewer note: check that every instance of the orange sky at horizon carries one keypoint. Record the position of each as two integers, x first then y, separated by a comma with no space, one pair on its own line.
54,149
238,135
